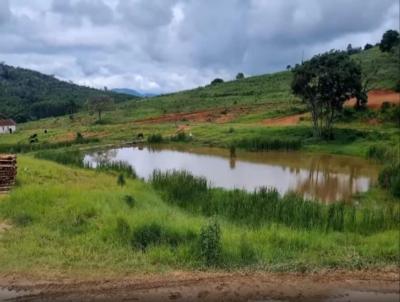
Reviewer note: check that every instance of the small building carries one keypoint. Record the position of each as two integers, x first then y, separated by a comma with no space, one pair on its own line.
7,126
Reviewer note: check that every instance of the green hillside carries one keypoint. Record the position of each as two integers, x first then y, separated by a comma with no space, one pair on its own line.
270,87
28,95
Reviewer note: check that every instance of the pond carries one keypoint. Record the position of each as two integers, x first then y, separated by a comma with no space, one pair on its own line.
327,178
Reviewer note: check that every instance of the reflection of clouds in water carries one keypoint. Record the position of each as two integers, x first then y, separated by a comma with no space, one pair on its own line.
316,180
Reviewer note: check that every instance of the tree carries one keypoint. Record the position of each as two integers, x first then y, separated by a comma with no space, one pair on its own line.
288,67
366,86
100,104
240,76
389,39
217,81
368,46
324,83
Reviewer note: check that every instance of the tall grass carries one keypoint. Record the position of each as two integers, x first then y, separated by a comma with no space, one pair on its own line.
267,144
266,206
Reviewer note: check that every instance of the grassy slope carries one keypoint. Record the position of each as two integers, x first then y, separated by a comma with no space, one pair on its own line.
70,225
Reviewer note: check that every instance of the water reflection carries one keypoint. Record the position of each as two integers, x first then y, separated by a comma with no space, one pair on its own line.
324,177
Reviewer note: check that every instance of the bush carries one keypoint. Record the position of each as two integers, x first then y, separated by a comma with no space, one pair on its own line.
155,139
79,137
121,180
210,244
154,234
130,201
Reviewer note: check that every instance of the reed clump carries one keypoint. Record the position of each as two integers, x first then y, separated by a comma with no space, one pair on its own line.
266,206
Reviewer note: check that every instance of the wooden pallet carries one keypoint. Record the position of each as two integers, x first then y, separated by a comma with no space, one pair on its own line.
8,172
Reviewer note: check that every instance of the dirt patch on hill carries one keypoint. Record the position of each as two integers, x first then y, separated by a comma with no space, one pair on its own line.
218,115
335,286
375,100
377,97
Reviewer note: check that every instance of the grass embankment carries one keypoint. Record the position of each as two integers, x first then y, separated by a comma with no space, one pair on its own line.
77,220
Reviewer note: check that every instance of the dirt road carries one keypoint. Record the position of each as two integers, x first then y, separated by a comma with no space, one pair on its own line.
335,286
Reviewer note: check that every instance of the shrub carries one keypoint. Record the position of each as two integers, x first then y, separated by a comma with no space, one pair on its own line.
154,234
79,137
130,201
146,235
210,244
121,180
155,139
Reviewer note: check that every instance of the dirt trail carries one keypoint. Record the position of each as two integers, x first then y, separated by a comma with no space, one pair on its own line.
336,286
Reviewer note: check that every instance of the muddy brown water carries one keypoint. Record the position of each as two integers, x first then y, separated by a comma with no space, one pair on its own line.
327,178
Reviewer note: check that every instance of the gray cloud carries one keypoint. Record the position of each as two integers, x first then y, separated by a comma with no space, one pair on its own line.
167,45
4,11
95,10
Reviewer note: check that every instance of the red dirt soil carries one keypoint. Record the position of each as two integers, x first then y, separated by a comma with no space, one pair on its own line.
375,100
218,115
377,97
337,286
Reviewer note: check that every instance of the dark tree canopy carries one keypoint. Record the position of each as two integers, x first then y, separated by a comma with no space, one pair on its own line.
217,81
368,46
324,83
389,39
100,104
29,95
240,76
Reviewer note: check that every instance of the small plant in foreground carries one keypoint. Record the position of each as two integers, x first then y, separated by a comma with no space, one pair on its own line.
210,243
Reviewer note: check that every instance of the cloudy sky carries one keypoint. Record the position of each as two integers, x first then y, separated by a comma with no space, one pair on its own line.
170,45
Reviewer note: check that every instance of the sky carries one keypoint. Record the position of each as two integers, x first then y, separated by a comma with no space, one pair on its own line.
163,46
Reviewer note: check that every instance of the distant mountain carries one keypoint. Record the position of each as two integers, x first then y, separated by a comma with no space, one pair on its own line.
27,95
133,92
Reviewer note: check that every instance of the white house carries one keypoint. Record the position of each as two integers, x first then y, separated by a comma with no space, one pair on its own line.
7,126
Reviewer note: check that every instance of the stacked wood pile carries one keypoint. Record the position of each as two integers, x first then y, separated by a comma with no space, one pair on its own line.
8,172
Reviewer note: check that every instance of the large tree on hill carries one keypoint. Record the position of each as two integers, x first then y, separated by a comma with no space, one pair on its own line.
100,104
389,39
324,83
